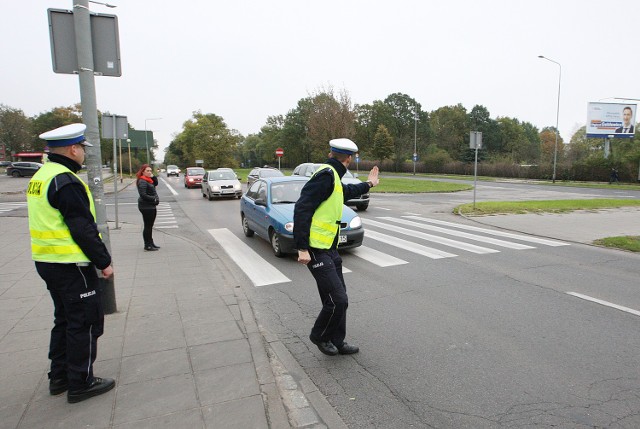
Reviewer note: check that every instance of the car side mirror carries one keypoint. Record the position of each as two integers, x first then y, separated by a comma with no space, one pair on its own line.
261,202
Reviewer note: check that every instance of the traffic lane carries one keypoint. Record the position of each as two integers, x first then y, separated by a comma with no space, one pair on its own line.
461,323
455,337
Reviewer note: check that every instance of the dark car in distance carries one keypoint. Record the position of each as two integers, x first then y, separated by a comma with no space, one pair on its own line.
261,173
23,169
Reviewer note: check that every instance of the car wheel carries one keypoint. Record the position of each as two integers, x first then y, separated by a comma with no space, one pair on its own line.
248,232
209,197
275,244
362,207
15,174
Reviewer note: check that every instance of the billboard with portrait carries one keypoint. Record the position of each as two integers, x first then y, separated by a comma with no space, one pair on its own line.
611,120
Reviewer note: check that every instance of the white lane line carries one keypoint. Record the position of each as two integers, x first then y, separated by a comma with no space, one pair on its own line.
433,238
166,221
259,271
169,186
165,226
408,245
375,257
480,238
606,303
382,208
346,270
528,238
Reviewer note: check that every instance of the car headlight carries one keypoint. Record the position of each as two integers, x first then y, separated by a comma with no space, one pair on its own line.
216,188
355,223
289,226
237,187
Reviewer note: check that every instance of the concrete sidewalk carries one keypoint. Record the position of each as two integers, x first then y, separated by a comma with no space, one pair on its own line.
184,346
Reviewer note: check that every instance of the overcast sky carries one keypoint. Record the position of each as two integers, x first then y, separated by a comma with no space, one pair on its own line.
247,60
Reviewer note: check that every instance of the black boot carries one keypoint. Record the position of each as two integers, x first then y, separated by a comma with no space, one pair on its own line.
154,245
149,247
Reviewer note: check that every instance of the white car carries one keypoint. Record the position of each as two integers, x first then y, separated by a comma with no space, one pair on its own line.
173,170
222,182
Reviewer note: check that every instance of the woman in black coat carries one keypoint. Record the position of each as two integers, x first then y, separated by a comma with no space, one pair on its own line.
147,203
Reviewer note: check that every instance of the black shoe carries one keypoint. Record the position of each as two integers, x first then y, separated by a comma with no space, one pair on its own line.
325,347
58,386
154,245
150,248
348,349
97,387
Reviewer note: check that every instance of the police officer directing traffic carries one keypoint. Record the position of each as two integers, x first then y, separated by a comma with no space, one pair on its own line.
317,217
67,248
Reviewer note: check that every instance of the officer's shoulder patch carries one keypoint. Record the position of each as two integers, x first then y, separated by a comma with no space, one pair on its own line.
65,179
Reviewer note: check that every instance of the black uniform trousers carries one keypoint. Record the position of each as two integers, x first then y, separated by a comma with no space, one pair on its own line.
78,320
331,324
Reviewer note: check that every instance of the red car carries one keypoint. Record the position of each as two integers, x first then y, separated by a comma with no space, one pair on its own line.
193,177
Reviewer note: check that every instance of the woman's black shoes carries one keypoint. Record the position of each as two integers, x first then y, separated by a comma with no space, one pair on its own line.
150,248
154,245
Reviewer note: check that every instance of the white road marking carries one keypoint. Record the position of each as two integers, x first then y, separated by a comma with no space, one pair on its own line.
375,257
382,208
259,271
408,245
165,226
605,303
433,238
455,233
169,186
346,270
528,238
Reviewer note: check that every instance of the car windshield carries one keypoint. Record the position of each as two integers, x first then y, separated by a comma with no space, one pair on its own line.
172,167
221,175
286,192
271,173
195,171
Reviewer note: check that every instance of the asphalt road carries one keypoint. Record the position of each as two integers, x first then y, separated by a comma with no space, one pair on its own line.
488,337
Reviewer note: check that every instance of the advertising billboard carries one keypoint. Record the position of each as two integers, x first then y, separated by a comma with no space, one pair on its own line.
611,120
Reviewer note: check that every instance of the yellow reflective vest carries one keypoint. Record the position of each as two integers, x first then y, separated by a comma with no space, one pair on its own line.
325,222
51,239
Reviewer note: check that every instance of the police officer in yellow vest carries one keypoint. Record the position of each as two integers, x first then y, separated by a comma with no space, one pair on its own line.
67,248
317,223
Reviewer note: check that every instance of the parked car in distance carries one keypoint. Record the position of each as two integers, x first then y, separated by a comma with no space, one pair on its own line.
222,182
262,172
307,169
22,169
193,177
173,170
267,209
5,163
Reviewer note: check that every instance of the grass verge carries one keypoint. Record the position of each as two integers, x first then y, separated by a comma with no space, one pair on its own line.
543,206
629,242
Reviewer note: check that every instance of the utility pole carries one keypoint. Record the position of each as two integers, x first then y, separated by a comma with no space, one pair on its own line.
82,27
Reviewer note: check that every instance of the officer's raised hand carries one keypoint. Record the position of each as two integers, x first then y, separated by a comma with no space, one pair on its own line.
373,177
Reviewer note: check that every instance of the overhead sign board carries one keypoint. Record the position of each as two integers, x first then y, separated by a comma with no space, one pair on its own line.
611,120
104,40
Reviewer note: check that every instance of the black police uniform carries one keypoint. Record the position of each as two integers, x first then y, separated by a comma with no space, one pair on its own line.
75,288
326,264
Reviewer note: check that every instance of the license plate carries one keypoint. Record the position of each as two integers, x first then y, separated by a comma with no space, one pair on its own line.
342,239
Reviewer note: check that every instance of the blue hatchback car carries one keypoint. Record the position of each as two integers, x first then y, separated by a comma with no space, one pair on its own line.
267,210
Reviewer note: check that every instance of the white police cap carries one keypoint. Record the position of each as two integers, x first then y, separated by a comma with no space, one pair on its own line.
343,146
66,136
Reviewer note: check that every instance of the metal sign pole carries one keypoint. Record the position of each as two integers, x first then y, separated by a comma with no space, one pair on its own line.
115,169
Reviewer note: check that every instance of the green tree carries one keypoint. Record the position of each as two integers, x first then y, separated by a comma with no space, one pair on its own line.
56,117
451,130
480,120
205,137
382,144
330,117
15,130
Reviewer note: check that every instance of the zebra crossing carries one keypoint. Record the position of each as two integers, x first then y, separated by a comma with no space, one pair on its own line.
165,218
424,233
7,207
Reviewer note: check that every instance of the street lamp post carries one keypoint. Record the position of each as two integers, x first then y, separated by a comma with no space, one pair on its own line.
145,137
415,137
555,150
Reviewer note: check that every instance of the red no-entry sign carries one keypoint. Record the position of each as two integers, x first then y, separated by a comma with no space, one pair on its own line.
279,152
